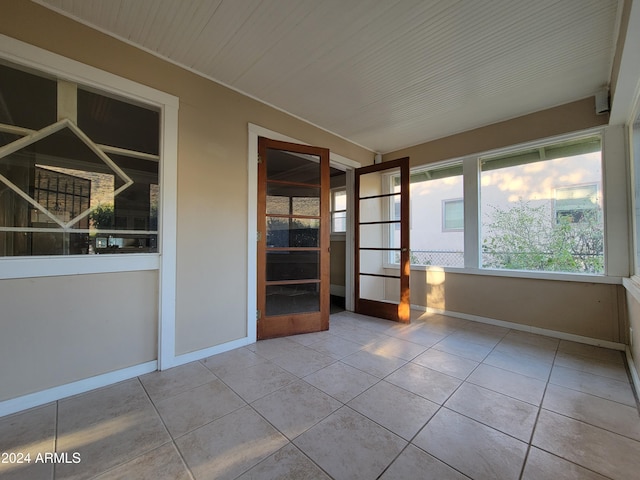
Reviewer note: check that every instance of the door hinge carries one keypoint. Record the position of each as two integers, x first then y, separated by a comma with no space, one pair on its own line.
258,314
259,159
258,236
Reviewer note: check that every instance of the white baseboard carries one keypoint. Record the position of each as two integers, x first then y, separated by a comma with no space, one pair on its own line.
207,352
43,397
634,372
525,328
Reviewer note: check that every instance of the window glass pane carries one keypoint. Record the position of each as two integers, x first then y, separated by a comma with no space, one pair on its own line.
338,211
339,200
136,208
61,184
436,222
112,122
453,215
541,209
27,100
573,203
339,222
6,138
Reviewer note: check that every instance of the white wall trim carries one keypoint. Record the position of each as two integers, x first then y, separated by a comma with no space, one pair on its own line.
31,267
615,203
525,328
168,245
74,71
210,351
635,379
43,397
632,286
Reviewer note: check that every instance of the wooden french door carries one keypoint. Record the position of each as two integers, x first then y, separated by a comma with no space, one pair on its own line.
382,240
293,239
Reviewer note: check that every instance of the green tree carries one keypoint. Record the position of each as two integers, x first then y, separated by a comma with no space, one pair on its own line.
102,217
526,237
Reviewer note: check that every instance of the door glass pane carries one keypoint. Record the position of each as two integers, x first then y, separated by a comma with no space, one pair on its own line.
373,236
292,266
380,209
380,289
288,299
293,232
293,167
293,200
372,261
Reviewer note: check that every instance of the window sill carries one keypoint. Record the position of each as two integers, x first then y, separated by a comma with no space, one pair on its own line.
632,286
557,276
33,267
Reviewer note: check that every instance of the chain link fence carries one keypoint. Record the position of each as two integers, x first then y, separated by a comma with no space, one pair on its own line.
583,263
438,258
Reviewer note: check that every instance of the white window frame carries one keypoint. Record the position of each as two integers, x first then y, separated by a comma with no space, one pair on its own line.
613,201
332,202
164,260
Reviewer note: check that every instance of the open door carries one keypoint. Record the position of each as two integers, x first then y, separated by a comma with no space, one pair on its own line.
382,240
293,239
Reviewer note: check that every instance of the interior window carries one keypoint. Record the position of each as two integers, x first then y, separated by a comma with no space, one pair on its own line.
72,187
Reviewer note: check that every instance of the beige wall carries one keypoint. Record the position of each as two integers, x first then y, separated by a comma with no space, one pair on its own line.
567,118
211,298
57,330
585,309
338,262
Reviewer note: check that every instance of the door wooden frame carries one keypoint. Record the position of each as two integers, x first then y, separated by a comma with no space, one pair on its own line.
400,312
290,324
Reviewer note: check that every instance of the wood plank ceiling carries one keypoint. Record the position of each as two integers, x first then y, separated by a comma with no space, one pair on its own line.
384,74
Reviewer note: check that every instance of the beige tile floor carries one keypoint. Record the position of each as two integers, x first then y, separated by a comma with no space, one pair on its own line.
441,398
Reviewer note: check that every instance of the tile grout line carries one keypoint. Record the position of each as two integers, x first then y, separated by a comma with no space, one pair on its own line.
173,440
440,407
535,423
290,440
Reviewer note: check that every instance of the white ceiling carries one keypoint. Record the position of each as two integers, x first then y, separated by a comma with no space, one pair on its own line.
384,74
